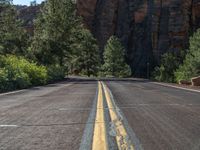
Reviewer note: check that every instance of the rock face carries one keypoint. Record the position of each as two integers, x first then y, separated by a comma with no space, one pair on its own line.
196,81
147,28
28,14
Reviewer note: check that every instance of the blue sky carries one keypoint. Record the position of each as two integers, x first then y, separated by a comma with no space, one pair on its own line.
25,2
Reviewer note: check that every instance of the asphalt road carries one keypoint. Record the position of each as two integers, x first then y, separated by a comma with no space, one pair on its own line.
73,115
46,118
163,118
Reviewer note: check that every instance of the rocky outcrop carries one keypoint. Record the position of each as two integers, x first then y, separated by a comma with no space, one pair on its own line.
147,28
88,12
28,15
195,81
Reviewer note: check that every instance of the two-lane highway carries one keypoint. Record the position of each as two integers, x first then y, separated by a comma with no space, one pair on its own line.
87,114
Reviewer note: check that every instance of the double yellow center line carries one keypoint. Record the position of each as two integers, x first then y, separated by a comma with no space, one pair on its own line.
100,135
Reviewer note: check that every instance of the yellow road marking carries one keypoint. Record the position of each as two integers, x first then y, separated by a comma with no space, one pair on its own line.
99,137
122,138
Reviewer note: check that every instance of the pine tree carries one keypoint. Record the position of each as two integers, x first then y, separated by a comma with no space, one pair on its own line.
191,65
13,39
114,59
86,59
6,1
165,72
52,37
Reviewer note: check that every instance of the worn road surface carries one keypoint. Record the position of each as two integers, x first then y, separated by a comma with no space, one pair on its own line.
87,114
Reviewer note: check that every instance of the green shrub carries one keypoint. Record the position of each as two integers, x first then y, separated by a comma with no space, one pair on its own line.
165,72
17,78
21,68
55,73
18,73
3,79
191,65
37,74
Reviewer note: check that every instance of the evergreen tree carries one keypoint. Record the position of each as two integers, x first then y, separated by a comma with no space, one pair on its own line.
13,39
52,37
85,59
165,72
191,65
6,1
114,59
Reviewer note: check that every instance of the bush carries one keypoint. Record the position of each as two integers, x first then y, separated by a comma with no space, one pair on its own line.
191,65
3,79
55,73
37,74
16,77
18,73
18,66
165,73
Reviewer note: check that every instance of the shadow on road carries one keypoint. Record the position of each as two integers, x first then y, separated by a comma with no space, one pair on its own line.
84,80
92,79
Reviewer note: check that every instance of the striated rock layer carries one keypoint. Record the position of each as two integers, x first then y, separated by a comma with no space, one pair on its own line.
147,28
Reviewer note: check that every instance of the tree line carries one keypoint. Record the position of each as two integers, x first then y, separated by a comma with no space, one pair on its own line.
60,45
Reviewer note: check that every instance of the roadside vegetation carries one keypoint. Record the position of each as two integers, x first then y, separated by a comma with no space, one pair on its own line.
114,59
191,65
85,58
180,66
17,72
60,45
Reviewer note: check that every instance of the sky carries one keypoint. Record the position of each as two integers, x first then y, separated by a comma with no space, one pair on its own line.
25,2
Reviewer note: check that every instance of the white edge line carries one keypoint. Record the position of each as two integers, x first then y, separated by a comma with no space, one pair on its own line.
13,92
182,88
4,125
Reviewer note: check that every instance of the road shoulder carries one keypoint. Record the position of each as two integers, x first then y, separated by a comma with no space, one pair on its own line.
186,88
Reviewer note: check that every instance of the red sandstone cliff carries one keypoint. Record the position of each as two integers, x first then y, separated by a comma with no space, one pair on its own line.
147,28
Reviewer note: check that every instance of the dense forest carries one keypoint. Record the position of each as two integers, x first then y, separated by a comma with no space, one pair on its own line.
61,45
